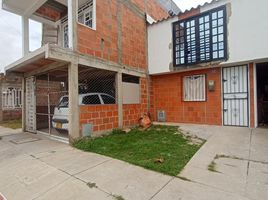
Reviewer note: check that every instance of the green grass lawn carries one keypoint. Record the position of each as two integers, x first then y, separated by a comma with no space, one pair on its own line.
145,148
14,124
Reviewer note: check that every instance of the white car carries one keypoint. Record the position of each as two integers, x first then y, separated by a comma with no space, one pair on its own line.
60,117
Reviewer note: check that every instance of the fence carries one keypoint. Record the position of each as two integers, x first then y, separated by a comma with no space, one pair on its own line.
12,98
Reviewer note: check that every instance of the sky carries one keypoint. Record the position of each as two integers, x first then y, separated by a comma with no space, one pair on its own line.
10,33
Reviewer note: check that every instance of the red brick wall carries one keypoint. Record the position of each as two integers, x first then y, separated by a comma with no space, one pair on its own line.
49,13
152,8
133,40
105,42
132,112
102,117
10,114
167,94
189,14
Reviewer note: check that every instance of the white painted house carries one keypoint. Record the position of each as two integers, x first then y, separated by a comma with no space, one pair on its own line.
225,40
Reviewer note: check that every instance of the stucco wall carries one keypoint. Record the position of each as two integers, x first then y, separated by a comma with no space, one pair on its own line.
247,34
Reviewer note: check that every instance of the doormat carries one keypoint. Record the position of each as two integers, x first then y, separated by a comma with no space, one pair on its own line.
24,140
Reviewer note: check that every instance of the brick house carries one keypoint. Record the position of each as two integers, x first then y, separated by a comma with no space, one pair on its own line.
10,100
205,65
88,47
213,65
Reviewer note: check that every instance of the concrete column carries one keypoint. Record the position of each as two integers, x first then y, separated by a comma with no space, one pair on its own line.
74,111
23,109
72,23
25,35
119,88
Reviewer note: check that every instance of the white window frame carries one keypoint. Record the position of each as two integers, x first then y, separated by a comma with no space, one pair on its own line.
194,89
84,11
11,98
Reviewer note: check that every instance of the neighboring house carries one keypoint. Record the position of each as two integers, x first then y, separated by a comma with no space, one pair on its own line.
89,46
209,65
11,97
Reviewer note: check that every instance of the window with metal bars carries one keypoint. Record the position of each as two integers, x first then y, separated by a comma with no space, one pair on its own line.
194,88
11,98
201,38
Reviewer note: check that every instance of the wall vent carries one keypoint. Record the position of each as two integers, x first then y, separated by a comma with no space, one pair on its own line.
161,116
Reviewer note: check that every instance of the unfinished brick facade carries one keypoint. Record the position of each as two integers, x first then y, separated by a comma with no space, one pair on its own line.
120,34
121,37
102,117
167,95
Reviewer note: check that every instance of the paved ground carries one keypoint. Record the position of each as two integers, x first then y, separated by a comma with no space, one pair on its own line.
33,167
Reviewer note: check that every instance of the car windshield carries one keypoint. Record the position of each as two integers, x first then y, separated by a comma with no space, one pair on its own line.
64,102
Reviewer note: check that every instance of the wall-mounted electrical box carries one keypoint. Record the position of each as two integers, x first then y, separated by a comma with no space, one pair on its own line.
211,85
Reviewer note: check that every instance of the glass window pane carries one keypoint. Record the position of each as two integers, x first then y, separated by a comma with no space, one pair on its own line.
214,23
215,54
220,13
215,39
221,54
220,29
221,38
220,22
214,15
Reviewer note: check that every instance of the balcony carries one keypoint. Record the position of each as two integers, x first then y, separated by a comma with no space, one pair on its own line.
54,15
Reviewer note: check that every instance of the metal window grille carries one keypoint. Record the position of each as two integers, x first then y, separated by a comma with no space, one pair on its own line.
12,98
194,88
85,16
201,38
65,36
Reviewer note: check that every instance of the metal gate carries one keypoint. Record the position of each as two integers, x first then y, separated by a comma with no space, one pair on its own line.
235,96
30,108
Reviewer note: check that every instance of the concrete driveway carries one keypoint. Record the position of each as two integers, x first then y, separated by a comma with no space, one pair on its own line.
33,167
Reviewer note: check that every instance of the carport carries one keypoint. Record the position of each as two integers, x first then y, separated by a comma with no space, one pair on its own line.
51,73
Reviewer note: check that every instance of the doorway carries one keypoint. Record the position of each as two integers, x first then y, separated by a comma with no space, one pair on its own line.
235,96
262,94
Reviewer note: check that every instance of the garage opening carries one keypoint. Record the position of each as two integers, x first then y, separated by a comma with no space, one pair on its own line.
52,103
262,94
97,100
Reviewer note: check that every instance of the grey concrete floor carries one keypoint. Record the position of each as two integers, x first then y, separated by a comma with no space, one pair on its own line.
34,167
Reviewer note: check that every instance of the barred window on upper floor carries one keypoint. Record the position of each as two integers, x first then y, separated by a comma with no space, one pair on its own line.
201,38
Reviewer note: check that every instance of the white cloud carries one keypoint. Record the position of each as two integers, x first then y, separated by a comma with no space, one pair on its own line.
188,4
10,37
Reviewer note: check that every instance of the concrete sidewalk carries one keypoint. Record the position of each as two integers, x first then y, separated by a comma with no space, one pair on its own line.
33,167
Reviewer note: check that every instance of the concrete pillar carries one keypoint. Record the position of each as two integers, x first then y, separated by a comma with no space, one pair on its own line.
74,111
23,109
25,35
72,23
119,88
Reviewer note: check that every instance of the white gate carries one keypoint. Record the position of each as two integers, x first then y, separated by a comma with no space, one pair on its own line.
235,96
30,107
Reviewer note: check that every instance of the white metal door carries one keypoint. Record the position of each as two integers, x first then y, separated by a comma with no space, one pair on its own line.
235,96
30,117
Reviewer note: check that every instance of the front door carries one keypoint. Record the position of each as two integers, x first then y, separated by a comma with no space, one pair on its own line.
30,107
235,96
